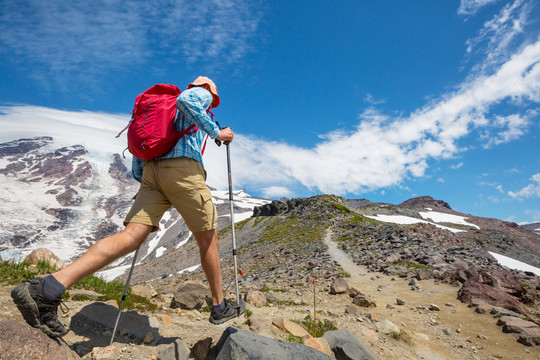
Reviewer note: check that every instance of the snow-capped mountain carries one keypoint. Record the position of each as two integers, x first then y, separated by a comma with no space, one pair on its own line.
64,198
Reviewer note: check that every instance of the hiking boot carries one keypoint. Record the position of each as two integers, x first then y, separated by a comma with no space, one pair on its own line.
37,310
231,311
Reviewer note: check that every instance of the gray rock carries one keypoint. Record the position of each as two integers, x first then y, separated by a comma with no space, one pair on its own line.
424,274
255,298
191,296
346,346
364,300
175,350
20,341
131,323
387,327
236,344
339,286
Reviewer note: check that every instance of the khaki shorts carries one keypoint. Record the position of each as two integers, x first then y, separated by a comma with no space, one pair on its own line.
178,182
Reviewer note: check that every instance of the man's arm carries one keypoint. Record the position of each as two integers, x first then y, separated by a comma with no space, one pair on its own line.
193,103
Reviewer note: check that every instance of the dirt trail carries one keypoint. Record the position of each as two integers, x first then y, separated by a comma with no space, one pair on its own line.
471,335
430,335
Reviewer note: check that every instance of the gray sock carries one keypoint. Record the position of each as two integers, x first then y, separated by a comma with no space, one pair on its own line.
52,288
221,307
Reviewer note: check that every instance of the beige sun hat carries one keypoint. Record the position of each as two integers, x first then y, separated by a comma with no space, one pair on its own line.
203,80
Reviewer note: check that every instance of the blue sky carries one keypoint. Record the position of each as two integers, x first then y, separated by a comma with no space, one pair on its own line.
384,100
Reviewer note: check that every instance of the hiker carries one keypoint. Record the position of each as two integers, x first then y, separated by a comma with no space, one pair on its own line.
174,179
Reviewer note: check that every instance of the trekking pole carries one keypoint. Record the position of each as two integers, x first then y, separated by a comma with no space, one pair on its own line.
125,295
232,221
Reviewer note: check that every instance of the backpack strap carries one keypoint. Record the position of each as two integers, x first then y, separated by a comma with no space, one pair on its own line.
206,137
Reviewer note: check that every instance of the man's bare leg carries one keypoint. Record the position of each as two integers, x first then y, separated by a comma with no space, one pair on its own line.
103,253
210,261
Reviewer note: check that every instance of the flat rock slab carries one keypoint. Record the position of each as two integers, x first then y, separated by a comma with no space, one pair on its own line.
131,323
248,345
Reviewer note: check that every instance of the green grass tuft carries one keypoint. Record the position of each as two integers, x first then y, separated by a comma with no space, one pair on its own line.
12,273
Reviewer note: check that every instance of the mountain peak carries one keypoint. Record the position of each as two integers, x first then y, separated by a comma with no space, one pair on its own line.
425,201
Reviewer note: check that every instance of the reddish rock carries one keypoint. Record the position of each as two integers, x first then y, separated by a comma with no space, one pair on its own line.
493,292
21,341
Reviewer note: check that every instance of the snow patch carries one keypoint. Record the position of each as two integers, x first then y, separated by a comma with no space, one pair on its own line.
190,269
160,251
111,274
514,264
439,217
407,220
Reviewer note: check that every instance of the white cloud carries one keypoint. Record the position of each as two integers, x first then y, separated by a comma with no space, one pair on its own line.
529,191
513,127
498,36
470,7
380,152
273,192
78,39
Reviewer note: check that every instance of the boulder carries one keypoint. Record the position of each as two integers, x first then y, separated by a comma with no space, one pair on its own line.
387,327
191,296
364,301
424,274
176,349
144,291
346,346
256,298
473,290
235,342
21,341
131,323
339,286
43,254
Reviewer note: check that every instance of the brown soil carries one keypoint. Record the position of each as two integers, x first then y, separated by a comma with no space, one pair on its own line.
455,332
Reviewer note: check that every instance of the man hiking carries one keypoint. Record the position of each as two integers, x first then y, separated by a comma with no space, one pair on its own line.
174,179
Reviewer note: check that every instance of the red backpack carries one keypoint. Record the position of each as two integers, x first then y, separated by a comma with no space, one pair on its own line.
151,132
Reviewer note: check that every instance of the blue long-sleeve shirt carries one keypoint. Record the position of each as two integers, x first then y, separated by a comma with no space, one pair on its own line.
191,109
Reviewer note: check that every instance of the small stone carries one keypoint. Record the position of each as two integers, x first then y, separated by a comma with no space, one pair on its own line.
148,338
81,350
433,307
105,353
482,337
400,302
447,331
387,327
352,309
390,307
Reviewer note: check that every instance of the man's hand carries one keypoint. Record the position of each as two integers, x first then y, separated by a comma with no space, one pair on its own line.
226,135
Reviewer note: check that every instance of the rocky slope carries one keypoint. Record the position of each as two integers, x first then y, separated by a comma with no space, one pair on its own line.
412,291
